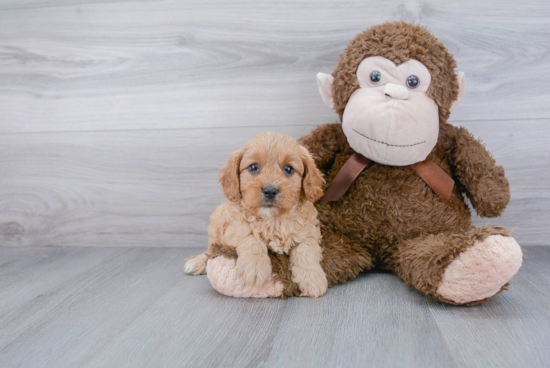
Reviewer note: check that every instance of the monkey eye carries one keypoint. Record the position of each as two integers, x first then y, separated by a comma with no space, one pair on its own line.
289,170
413,81
375,77
253,168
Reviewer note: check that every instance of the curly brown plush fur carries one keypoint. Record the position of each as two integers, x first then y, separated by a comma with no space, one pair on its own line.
390,218
388,209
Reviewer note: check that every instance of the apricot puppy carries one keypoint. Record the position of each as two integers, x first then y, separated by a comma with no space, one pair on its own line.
271,184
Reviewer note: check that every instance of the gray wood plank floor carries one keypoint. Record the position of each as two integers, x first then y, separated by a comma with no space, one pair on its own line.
134,307
116,114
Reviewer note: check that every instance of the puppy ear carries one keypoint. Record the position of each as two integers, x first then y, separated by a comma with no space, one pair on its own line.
229,176
313,179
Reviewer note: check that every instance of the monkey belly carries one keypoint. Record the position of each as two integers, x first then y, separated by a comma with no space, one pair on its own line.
386,205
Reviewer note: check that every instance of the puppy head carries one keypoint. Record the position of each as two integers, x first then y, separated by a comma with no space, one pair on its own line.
270,175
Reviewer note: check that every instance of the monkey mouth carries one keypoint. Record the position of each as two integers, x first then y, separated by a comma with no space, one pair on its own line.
388,144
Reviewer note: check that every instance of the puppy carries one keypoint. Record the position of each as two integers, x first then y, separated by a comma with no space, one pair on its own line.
271,184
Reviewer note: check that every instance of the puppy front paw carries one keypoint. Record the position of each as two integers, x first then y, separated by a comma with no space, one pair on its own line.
311,282
254,270
196,265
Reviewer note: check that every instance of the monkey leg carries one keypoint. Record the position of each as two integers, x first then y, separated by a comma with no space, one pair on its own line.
466,267
343,258
222,274
342,261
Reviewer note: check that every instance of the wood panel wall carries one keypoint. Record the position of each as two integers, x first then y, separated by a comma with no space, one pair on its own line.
116,115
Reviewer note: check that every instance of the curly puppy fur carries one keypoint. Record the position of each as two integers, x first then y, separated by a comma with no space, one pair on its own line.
254,221
389,218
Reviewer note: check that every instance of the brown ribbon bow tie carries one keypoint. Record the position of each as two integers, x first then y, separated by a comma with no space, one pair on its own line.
433,175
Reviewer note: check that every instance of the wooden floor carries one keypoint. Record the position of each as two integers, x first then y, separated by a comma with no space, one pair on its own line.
134,307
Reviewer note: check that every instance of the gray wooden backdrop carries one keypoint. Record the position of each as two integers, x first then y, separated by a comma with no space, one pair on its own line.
116,115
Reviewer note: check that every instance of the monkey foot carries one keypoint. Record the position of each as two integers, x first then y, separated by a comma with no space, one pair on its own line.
482,270
223,277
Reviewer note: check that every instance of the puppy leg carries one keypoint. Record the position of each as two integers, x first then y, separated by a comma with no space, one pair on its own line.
196,265
305,263
253,263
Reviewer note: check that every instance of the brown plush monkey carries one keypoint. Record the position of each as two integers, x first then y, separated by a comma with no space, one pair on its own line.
390,167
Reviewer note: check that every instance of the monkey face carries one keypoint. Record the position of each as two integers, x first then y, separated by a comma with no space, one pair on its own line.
390,118
393,86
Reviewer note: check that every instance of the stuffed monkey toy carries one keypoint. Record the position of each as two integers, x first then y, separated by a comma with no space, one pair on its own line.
397,174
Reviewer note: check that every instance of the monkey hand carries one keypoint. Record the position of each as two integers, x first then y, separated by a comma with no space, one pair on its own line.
483,181
491,193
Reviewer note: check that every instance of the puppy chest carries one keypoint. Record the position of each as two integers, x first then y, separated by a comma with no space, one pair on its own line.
281,243
278,245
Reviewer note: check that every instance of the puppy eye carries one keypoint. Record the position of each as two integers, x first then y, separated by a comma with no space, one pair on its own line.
253,168
375,77
413,81
288,170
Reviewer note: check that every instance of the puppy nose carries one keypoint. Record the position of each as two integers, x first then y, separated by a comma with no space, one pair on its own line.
396,91
270,192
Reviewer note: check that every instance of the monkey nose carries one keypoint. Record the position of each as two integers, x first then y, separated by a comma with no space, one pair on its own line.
396,91
270,192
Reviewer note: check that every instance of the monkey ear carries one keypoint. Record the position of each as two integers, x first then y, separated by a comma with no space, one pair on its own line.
461,88
229,176
324,81
312,181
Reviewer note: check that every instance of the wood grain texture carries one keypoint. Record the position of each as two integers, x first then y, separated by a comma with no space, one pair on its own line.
120,307
112,65
116,115
137,188
158,188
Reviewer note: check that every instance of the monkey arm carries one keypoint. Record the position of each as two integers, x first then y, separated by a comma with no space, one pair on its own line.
484,181
324,142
